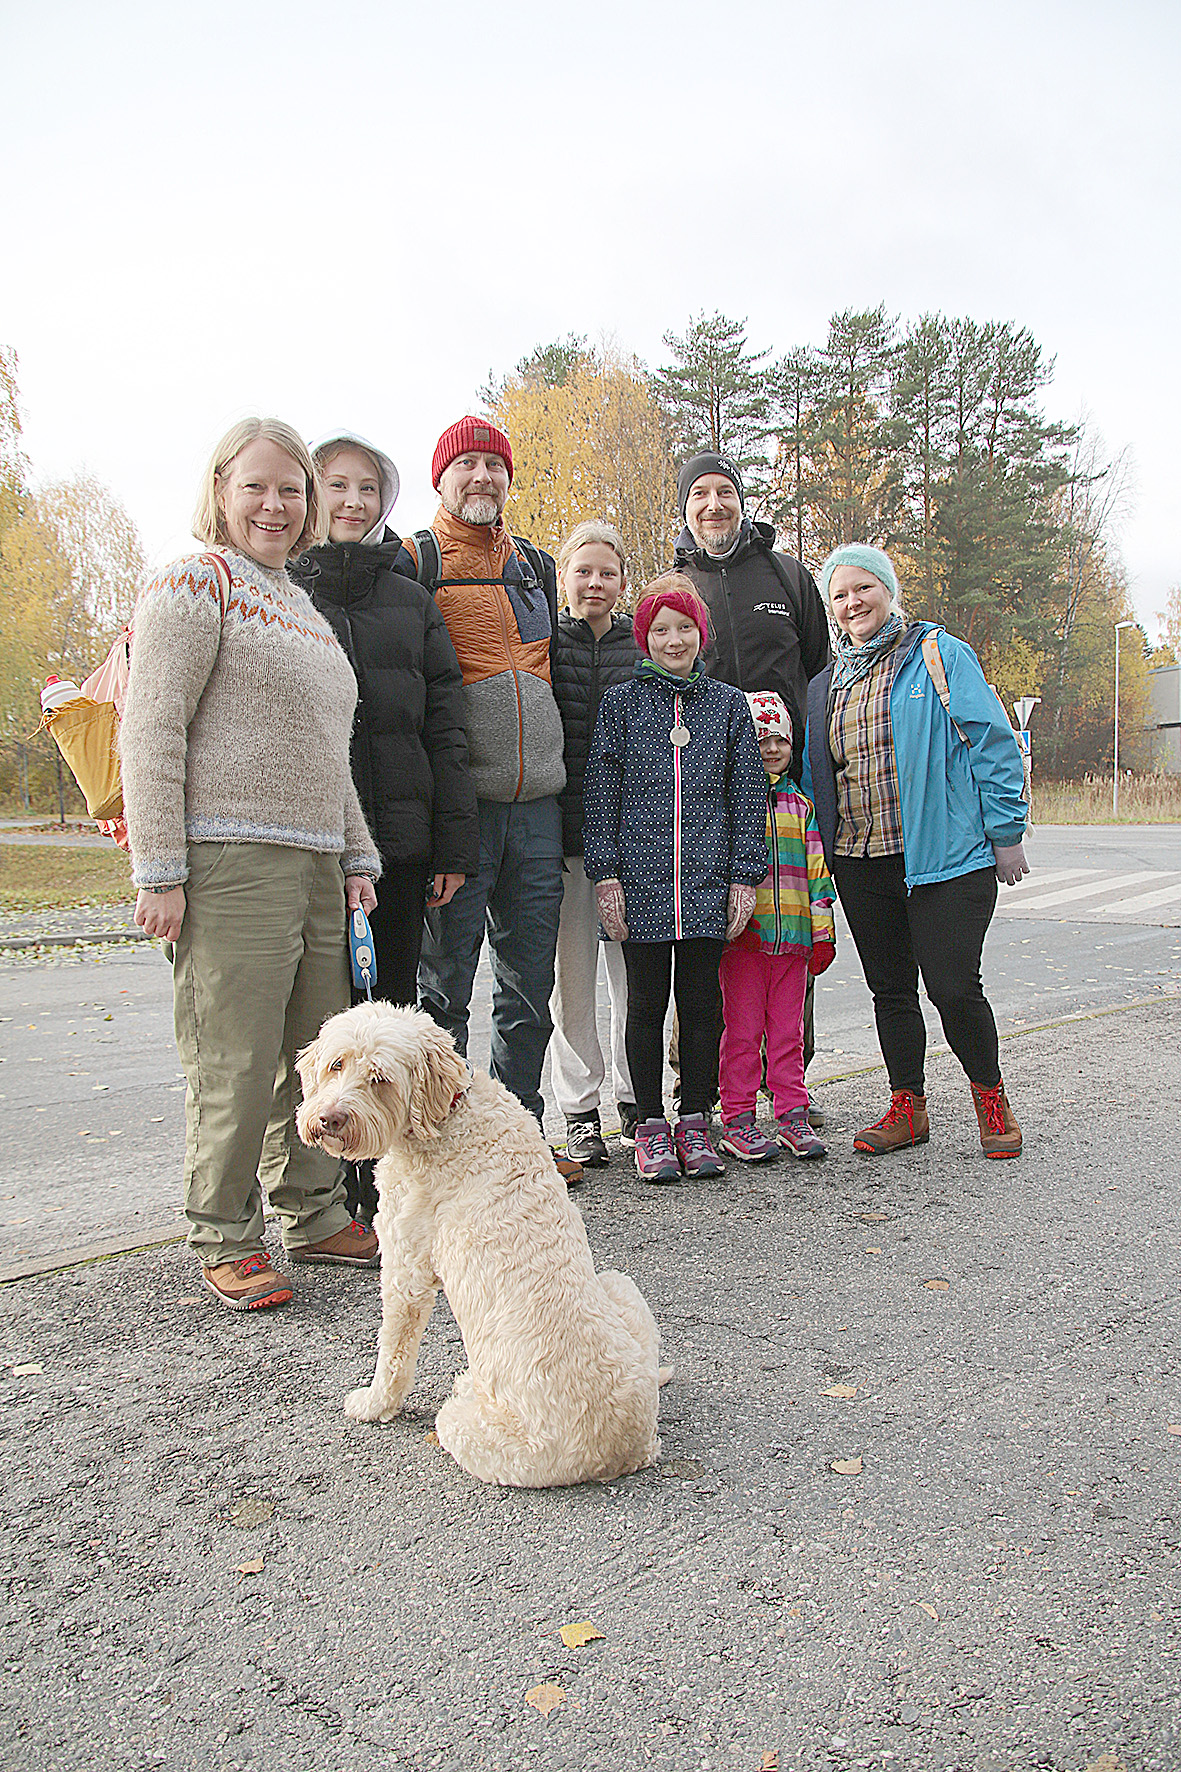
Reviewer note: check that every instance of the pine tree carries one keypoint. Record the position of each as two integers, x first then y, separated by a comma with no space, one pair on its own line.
714,396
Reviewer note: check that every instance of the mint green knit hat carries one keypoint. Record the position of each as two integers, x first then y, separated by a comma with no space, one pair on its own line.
859,553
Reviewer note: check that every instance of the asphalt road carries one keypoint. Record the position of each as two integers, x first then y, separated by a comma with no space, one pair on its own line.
208,1567
91,1094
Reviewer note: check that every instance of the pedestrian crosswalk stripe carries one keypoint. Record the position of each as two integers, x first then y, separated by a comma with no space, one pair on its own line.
1146,901
1099,882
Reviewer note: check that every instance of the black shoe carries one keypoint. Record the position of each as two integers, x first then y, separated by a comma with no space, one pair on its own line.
629,1119
584,1140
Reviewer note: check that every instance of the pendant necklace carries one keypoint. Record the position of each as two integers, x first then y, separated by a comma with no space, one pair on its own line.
679,734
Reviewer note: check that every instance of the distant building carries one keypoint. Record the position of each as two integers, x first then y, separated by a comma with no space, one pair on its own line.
1164,722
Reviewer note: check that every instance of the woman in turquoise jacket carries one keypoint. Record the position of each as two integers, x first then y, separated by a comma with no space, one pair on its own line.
918,784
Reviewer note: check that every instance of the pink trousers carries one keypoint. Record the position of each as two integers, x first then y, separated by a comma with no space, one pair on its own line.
762,997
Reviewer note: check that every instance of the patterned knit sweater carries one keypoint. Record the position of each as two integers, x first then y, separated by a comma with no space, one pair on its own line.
793,906
236,730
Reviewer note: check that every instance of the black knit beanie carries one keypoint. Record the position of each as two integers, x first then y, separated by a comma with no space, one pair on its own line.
708,463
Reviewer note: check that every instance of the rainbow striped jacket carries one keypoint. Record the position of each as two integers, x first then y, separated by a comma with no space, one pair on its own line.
793,906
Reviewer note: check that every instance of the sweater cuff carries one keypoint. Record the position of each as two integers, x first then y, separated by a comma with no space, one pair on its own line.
365,863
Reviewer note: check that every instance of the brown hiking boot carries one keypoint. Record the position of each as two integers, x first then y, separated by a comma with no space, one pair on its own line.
354,1246
250,1284
1000,1135
904,1123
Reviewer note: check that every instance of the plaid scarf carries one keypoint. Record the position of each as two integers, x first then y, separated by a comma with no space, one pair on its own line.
851,663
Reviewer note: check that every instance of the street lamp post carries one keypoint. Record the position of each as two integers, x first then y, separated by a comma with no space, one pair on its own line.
1115,755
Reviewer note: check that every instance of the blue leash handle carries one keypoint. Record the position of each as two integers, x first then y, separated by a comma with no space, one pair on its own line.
362,956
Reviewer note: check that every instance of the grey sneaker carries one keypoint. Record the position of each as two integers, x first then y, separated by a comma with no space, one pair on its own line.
629,1119
584,1140
694,1147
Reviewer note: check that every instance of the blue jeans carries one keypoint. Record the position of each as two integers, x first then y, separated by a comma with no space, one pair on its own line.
517,898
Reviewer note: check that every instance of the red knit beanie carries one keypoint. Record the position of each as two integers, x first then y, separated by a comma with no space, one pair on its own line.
687,601
469,433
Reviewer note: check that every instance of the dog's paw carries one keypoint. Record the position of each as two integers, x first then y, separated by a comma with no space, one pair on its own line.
364,1405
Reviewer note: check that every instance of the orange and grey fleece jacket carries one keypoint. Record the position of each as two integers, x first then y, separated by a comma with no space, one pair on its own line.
501,632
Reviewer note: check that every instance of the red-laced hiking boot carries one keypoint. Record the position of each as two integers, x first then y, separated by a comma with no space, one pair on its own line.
250,1284
354,1246
904,1123
1000,1135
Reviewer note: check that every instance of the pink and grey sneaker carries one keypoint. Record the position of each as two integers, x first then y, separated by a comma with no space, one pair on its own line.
656,1159
742,1138
695,1148
796,1136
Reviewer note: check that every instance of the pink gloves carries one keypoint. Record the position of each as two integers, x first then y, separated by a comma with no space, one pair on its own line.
612,910
739,908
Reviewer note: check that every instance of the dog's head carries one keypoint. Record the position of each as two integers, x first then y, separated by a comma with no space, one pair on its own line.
375,1073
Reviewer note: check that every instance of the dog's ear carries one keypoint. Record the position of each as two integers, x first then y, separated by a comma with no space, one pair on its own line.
306,1061
439,1076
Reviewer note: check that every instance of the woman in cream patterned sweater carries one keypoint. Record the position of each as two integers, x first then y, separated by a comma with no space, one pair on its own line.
247,838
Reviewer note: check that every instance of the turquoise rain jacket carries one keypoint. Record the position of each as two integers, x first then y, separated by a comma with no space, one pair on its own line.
958,799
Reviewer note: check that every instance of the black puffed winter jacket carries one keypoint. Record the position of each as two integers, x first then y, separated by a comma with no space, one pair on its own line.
583,669
409,748
767,631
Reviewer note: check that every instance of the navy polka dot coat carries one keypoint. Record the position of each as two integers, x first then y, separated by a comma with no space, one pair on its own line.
678,827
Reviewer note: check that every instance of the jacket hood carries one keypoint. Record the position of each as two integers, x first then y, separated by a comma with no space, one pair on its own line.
754,533
326,446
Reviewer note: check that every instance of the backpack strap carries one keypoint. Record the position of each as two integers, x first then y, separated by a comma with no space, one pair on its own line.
793,591
933,659
531,554
221,567
430,559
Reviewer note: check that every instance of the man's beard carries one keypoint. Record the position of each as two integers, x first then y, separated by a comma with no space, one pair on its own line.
481,513
716,541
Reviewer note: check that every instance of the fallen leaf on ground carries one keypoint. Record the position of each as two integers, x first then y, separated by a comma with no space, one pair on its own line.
872,1249
254,1568
576,1636
875,1217
252,1510
26,1371
846,1467
1174,1427
1106,1763
545,1698
937,1285
840,1390
925,1606
431,1438
192,1299
770,1761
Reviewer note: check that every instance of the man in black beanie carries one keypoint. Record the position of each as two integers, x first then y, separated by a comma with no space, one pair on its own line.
769,628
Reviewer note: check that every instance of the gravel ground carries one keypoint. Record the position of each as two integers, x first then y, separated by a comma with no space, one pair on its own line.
210,1568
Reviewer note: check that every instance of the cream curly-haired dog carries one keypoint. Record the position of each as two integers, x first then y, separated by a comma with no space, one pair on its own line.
562,1376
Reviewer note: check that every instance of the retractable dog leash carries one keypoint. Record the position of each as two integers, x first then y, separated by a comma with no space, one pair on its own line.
362,957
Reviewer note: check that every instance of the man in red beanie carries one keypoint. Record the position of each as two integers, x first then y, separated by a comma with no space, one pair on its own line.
498,596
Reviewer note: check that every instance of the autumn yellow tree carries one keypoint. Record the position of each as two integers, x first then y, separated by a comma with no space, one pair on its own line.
589,440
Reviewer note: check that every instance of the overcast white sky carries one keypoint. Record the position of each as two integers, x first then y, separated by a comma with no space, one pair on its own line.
347,214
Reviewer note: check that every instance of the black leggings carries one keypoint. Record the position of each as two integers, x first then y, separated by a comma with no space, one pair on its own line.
937,930
695,987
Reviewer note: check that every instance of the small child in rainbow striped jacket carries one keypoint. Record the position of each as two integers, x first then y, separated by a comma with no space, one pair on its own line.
764,972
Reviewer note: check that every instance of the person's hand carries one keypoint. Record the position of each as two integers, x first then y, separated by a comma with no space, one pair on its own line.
739,909
359,890
160,913
821,958
612,910
1010,864
443,889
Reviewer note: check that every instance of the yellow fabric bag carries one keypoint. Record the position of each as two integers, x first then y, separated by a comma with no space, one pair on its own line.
87,735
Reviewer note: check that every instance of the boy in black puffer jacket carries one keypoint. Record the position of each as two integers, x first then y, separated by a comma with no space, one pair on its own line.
593,651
